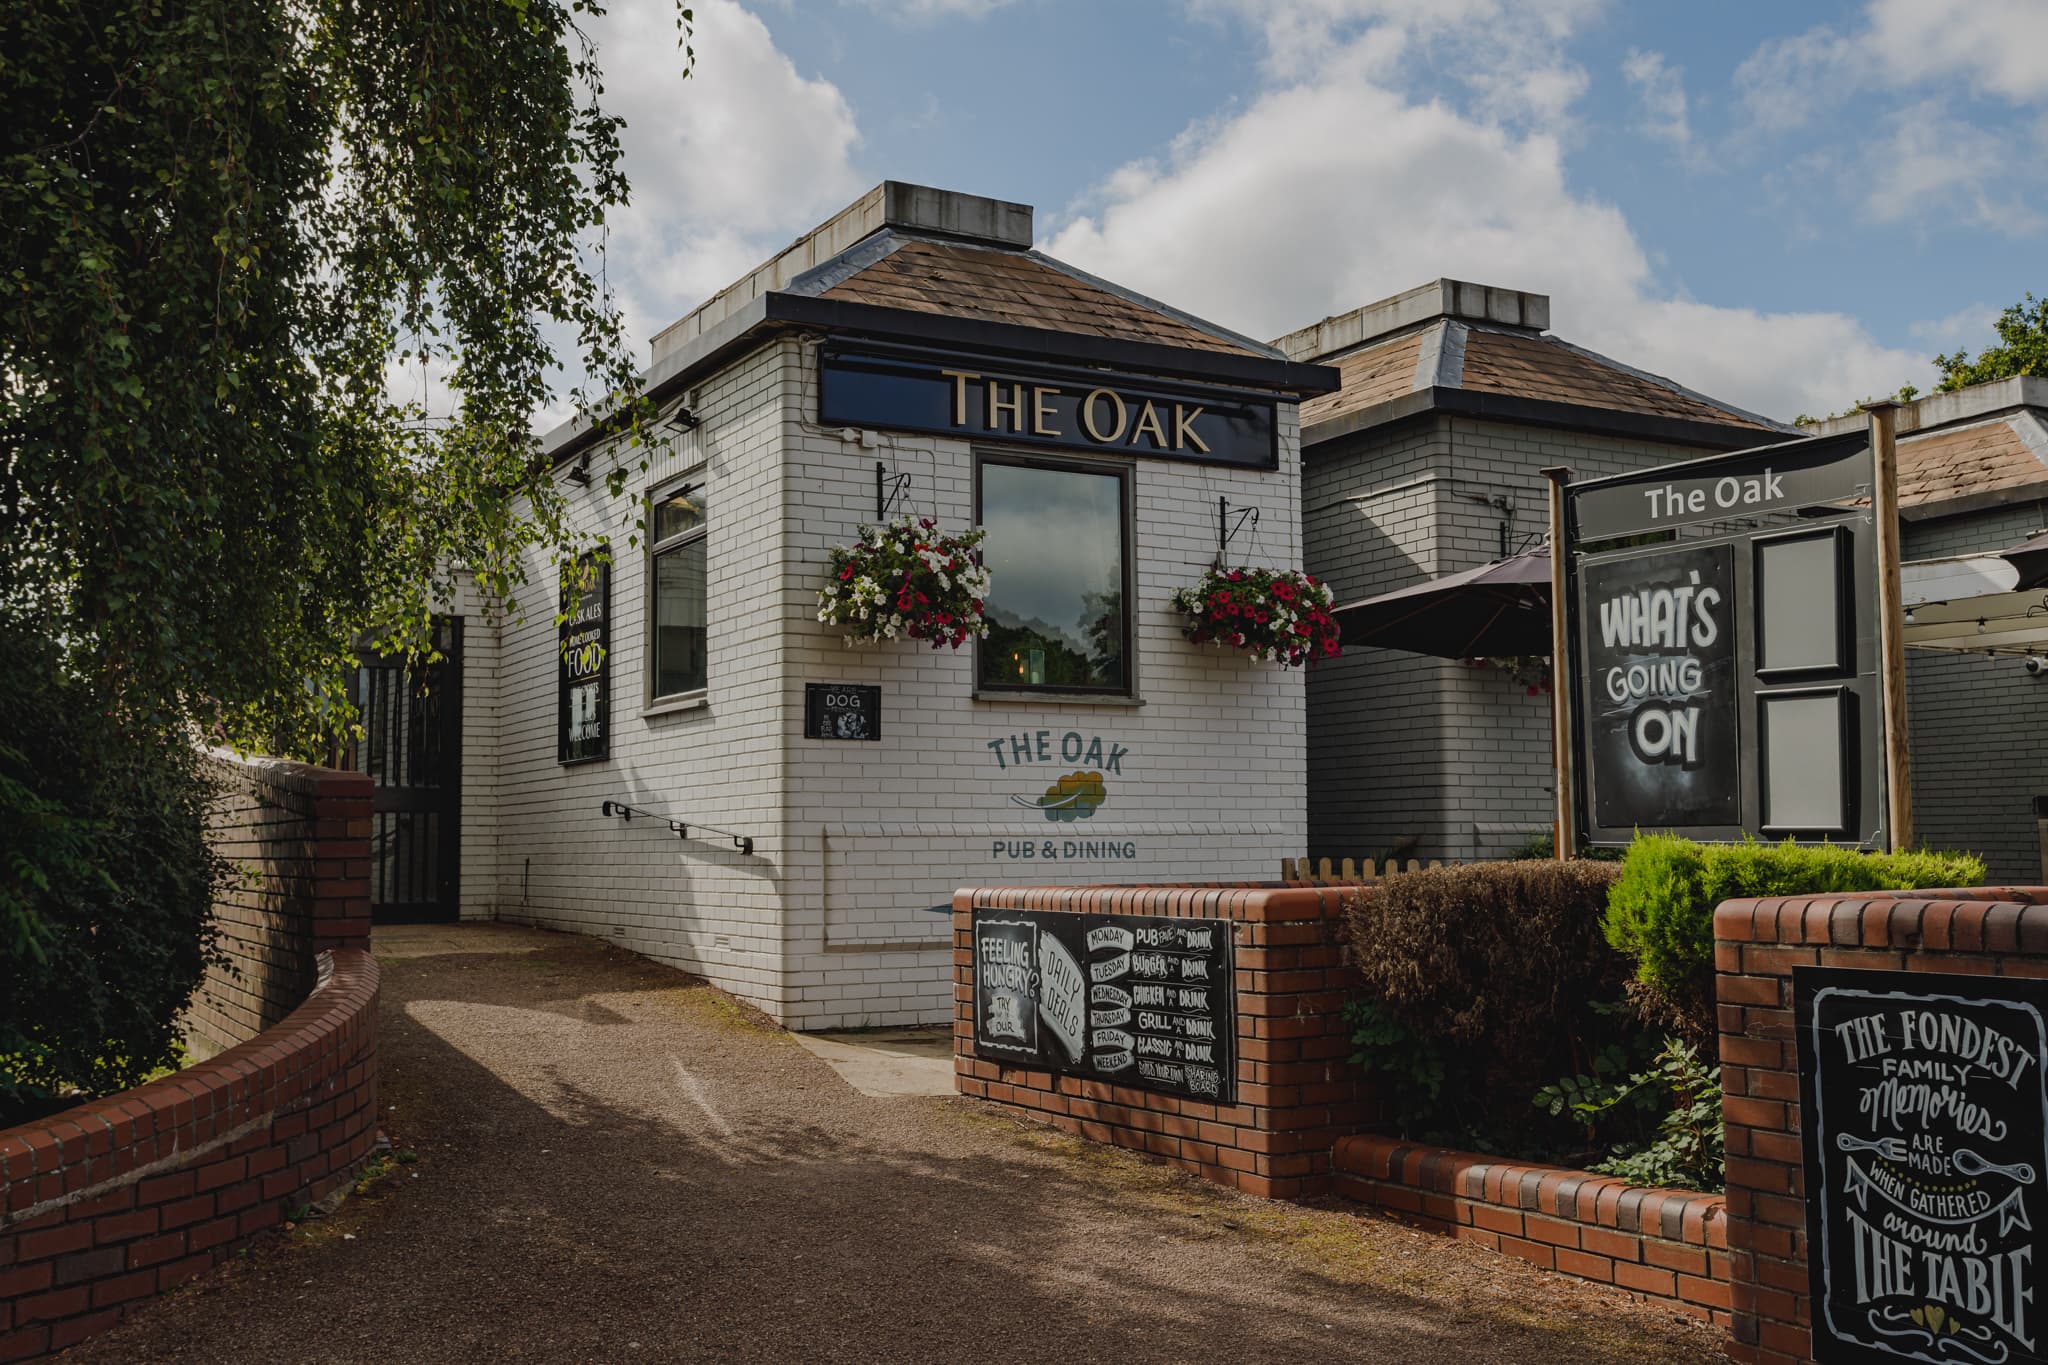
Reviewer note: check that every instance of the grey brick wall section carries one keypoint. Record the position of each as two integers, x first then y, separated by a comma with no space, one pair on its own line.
1428,756
1978,726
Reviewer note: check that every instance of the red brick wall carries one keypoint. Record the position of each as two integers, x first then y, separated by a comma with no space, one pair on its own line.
1665,1244
114,1200
299,837
1296,1090
1992,932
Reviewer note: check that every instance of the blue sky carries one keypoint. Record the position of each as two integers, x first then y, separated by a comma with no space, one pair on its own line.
1787,206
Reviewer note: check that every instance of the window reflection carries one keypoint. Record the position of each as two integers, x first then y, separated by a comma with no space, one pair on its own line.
1055,553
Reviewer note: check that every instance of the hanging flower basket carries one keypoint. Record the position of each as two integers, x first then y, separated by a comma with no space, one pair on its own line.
1281,615
907,580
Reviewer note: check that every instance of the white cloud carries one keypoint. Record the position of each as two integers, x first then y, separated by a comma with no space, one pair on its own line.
1996,45
1334,189
1929,163
1660,92
727,166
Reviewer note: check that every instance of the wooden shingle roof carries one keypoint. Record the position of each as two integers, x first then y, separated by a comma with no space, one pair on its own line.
956,279
1958,462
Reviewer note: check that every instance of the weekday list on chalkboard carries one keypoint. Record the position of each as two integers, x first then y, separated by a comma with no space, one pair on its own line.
1136,1000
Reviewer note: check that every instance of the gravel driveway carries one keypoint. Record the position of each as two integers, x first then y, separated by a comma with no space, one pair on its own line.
616,1163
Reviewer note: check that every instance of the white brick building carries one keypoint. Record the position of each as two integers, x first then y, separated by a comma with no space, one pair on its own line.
835,918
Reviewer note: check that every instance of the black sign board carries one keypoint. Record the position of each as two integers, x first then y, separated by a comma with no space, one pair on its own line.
842,711
1136,1000
1723,643
583,644
1659,641
1781,478
1018,403
1925,1124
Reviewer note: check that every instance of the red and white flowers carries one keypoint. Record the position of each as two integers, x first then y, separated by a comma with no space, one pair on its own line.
1282,615
907,580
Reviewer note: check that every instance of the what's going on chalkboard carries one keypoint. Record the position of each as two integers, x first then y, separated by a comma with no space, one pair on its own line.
1136,1000
1925,1126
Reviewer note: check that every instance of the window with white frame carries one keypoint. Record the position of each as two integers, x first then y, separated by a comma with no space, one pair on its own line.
677,530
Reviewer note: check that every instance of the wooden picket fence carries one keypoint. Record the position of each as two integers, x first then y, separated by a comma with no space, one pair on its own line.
1347,871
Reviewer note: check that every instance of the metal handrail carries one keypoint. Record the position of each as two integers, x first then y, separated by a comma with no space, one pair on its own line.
680,828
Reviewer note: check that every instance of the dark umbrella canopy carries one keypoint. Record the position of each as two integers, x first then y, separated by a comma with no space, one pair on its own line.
2030,557
1497,609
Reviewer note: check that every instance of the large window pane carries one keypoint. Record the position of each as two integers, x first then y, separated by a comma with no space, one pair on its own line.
1055,554
679,635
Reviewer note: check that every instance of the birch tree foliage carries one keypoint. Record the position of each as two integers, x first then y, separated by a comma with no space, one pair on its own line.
230,231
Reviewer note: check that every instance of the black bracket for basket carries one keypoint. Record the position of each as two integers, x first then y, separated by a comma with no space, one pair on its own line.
1227,531
888,488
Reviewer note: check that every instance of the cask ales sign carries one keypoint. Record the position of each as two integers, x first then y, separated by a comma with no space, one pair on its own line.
990,398
1925,1124
1136,1000
582,644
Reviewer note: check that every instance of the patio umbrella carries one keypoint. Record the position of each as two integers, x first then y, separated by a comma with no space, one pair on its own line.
2030,557
1497,609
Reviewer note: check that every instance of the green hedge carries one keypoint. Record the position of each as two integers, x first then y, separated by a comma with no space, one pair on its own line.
106,887
1661,911
1481,982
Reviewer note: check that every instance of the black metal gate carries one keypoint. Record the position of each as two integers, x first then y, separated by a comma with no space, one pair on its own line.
412,748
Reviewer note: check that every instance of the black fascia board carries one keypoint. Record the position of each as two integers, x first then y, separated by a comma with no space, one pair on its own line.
1543,412
1039,343
775,312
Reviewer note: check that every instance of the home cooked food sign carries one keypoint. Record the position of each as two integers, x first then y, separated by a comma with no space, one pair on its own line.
1926,1147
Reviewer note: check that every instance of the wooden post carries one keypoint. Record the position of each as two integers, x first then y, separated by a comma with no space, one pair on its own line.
1891,619
1567,836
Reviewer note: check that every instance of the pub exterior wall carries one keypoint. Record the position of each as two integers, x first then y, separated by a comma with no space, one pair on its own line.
841,917
1979,726
1430,756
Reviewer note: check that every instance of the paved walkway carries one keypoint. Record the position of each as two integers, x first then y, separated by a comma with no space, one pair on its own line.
618,1164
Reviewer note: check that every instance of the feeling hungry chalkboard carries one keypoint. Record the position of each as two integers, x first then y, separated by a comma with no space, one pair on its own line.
1925,1126
1136,1000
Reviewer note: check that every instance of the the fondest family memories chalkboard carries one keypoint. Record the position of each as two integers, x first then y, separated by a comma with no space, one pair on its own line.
1136,1000
1925,1125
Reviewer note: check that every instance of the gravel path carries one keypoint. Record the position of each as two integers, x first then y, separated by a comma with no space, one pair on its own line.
616,1163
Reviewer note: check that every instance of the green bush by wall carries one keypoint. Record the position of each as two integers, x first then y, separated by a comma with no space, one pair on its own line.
1481,982
106,886
1660,913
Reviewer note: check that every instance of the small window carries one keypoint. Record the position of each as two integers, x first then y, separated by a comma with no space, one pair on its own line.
678,531
1058,556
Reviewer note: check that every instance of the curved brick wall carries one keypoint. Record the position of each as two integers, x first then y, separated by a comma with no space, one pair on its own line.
117,1199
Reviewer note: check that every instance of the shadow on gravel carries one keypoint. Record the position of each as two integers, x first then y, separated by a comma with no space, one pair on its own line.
612,1219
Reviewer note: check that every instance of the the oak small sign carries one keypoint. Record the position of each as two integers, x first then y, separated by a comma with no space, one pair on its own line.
842,711
1137,1000
1925,1125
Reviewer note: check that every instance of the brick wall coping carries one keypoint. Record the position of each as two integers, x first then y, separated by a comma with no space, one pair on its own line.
1666,1244
1978,919
107,1143
121,1197
1253,901
295,776
1603,1201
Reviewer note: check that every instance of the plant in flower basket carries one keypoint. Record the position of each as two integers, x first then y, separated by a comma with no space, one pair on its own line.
1281,615
907,580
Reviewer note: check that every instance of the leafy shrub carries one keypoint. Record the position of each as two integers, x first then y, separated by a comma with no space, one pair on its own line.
1661,911
1479,978
1687,1151
106,886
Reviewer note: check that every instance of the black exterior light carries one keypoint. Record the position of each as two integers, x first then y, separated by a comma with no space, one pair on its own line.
682,419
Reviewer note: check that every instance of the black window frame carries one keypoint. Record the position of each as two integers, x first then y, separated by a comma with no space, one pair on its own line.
1125,472
655,550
